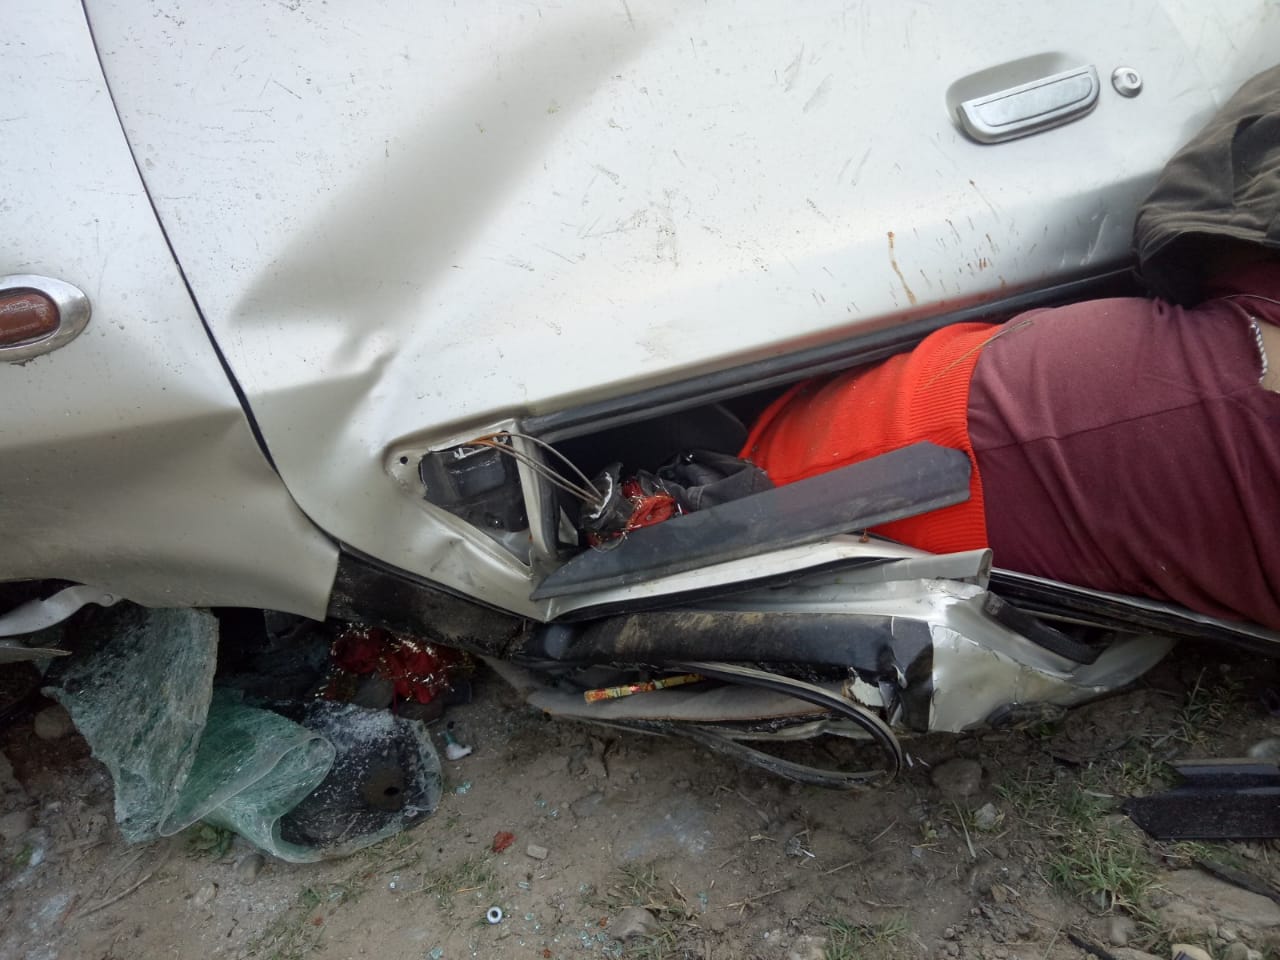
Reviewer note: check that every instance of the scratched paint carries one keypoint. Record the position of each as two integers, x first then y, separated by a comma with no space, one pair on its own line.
372,299
893,262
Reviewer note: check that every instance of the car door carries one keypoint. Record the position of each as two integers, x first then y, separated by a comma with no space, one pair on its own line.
409,226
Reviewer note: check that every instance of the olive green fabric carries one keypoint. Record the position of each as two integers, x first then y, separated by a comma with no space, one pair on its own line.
1225,183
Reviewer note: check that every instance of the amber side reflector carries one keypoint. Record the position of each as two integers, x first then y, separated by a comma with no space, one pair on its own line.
26,315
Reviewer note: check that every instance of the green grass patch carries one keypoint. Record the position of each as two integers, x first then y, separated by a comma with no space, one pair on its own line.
864,941
640,885
1111,870
472,875
300,929
1086,856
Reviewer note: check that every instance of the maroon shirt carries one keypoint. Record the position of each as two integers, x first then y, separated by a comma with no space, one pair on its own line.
1126,445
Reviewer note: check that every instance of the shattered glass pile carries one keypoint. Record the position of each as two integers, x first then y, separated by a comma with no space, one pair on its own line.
141,692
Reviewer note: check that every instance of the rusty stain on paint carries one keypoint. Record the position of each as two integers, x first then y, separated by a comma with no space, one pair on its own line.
893,262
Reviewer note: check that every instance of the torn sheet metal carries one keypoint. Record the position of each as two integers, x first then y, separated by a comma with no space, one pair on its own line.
983,669
922,654
978,665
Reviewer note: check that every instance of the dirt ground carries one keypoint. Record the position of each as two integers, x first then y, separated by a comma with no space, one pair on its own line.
995,846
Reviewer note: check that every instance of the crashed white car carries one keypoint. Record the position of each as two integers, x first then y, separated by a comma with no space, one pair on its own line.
338,309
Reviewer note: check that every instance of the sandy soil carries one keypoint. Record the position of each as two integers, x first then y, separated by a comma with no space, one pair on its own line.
728,862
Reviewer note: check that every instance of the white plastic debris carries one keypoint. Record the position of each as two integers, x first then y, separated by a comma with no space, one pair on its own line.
452,748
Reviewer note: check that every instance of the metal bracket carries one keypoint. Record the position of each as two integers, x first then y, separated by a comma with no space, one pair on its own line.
35,615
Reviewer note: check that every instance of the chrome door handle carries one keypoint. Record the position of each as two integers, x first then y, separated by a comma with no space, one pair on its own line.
38,314
1030,107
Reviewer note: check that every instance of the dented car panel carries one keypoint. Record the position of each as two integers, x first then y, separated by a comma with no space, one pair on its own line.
126,460
406,231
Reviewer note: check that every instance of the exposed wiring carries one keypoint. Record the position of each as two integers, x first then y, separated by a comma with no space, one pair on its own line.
548,447
541,469
587,494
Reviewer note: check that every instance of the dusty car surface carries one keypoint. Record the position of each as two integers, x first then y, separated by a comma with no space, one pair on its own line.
370,296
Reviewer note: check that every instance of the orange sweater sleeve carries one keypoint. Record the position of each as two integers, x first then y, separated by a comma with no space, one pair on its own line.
826,423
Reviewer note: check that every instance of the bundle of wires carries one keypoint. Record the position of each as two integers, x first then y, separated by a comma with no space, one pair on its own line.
625,505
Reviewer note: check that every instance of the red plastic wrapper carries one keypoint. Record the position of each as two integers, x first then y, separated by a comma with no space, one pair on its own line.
502,839
418,670
647,509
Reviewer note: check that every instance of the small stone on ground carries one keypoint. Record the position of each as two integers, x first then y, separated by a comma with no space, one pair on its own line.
13,825
986,818
1198,903
204,895
249,866
633,922
53,723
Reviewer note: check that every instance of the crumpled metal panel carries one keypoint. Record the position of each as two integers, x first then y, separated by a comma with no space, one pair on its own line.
411,224
126,460
979,665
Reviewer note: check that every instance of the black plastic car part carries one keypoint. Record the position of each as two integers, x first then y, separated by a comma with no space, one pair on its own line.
1217,800
896,648
889,487
371,591
478,484
1051,639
